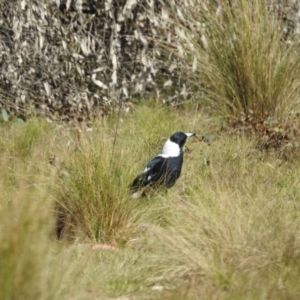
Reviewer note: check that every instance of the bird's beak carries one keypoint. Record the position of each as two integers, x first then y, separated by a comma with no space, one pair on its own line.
189,134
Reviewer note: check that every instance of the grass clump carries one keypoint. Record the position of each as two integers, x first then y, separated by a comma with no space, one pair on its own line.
237,58
93,192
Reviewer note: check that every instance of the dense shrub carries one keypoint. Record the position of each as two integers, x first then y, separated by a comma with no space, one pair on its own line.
72,57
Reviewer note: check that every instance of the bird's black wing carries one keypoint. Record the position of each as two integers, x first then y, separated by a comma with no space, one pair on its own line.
152,173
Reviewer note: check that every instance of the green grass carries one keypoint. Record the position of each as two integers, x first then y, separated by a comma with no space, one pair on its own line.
228,229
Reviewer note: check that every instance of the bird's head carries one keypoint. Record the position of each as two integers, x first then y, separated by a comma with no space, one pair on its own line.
173,146
180,138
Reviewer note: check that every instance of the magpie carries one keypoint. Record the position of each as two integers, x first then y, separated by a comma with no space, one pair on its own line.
165,168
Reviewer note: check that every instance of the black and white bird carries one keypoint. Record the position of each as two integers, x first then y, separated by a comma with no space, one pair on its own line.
165,168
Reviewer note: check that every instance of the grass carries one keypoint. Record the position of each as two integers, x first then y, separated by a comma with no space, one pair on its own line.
237,58
228,229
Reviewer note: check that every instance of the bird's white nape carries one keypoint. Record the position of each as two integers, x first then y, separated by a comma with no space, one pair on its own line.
170,149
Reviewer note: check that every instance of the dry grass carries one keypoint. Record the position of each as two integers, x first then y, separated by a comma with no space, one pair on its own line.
237,59
228,229
240,235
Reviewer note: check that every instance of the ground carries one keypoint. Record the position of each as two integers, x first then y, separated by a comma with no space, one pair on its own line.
228,229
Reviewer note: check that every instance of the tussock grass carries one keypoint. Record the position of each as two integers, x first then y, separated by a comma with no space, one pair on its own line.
93,191
237,58
228,229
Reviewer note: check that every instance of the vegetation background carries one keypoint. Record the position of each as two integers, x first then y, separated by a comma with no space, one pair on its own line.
89,92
